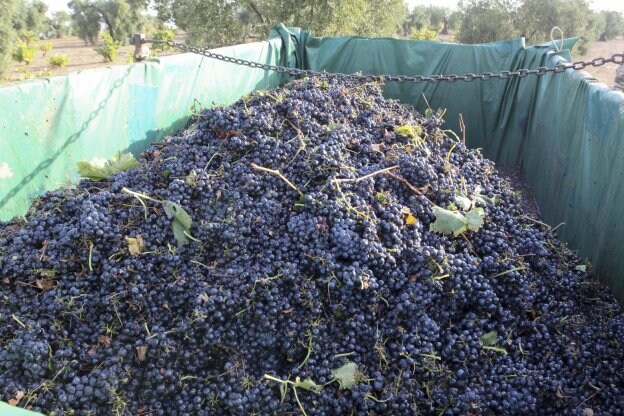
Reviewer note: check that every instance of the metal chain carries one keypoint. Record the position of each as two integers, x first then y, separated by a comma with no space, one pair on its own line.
617,58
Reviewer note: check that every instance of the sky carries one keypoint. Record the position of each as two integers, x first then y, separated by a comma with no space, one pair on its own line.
618,5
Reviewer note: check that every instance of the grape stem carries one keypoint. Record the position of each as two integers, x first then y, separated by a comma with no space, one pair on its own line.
386,170
409,185
278,174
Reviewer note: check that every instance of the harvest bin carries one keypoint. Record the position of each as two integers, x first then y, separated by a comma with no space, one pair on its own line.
564,130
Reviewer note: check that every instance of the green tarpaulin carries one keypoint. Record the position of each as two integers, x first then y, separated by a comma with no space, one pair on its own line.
47,125
565,130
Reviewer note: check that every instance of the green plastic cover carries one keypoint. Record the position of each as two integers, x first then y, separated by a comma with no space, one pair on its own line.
565,130
47,125
8,410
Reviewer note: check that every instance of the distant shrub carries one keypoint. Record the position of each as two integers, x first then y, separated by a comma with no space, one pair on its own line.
163,34
58,60
110,48
29,37
424,34
45,47
24,52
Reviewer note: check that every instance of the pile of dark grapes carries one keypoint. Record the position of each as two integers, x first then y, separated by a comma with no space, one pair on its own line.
309,282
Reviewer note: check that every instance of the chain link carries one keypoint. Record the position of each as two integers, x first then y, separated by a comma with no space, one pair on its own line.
617,58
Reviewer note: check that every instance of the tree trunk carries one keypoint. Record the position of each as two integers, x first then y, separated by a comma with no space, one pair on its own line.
445,27
257,12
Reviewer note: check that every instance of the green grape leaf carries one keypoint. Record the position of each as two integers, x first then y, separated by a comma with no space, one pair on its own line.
474,219
346,375
308,385
180,221
486,200
178,233
448,222
170,209
489,339
98,169
95,169
462,201
123,162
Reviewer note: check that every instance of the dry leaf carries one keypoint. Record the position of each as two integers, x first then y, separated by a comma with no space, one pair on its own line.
141,352
135,245
6,280
18,396
377,147
204,297
91,351
45,284
588,412
105,340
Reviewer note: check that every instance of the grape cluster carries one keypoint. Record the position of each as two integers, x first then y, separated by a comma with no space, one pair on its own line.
310,252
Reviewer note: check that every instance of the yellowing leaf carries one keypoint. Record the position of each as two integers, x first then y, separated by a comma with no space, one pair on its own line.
410,219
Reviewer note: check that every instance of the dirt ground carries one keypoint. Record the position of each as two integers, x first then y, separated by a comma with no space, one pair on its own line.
605,73
81,56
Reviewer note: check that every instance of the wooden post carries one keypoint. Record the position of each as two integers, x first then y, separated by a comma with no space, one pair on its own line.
141,49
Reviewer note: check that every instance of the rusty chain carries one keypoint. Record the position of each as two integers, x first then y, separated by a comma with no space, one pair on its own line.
617,58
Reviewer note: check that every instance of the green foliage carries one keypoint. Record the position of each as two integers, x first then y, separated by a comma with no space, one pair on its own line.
30,16
60,23
86,21
24,52
45,47
58,60
29,37
163,34
424,19
536,18
491,20
110,48
486,20
121,18
8,34
612,25
223,22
